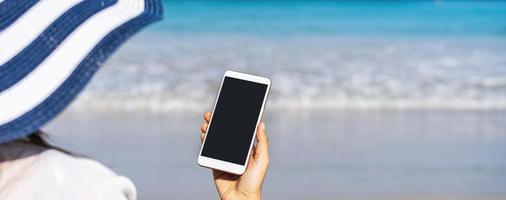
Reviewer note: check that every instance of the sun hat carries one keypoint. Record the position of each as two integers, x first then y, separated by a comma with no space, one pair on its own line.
50,49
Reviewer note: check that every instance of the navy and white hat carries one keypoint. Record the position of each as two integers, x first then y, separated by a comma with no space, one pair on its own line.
50,49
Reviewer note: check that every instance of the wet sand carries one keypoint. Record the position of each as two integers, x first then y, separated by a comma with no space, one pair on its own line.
341,154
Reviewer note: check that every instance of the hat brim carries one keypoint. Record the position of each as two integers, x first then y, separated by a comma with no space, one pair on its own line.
54,103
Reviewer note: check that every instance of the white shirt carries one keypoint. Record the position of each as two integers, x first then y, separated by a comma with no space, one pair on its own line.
53,175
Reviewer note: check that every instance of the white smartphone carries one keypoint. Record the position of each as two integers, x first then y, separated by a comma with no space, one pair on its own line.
232,129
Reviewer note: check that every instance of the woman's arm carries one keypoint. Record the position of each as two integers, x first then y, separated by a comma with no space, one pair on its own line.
249,185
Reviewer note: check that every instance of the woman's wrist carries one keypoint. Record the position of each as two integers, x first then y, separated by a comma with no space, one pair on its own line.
242,196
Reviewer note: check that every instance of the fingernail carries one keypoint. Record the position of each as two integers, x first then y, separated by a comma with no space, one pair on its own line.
263,126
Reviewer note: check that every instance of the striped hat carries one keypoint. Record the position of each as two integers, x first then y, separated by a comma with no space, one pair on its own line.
50,49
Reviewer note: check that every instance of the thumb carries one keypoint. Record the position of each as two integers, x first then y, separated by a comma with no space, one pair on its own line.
262,148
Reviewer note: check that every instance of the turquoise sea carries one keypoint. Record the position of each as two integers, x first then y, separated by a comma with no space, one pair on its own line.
396,19
370,99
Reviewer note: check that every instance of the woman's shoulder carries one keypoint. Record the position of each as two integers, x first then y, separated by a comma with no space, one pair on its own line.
62,176
60,162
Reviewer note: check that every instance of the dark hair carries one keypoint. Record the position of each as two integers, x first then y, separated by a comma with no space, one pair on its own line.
38,138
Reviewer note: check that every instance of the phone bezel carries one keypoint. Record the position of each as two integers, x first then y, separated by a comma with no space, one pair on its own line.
224,165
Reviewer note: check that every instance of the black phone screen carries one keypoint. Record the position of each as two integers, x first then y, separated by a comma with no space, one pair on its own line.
234,120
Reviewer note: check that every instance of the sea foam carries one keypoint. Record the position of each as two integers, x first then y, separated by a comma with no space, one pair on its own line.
157,72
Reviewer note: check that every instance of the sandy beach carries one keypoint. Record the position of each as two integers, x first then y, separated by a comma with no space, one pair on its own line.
342,154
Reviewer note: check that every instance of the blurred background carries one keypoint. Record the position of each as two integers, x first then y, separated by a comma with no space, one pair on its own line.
370,99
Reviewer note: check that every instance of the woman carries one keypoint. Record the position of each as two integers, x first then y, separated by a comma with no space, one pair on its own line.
49,50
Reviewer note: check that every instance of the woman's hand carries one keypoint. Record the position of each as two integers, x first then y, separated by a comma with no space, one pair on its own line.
248,185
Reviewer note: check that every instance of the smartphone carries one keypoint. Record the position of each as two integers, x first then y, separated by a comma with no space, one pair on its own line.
232,128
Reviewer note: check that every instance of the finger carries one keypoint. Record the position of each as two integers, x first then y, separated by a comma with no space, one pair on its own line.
262,148
202,136
207,116
253,151
203,127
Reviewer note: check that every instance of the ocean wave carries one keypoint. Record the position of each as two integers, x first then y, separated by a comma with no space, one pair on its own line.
116,102
168,72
